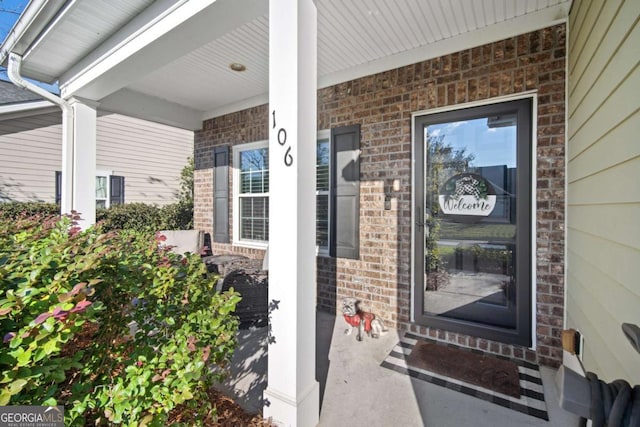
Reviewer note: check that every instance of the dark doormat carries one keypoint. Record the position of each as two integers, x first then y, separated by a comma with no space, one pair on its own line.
530,399
485,371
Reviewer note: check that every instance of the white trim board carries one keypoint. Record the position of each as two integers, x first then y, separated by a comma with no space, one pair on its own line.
26,109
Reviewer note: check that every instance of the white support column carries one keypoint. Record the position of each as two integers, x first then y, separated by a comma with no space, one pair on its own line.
83,165
66,190
292,394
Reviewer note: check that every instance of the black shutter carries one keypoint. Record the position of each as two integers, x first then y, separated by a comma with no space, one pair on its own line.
345,192
117,190
221,194
58,187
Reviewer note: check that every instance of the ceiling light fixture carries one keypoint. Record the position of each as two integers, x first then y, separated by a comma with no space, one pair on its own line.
236,66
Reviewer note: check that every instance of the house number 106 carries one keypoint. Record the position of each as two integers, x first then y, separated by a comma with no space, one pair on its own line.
282,140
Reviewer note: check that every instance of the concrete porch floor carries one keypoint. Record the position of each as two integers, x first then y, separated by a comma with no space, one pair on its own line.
356,391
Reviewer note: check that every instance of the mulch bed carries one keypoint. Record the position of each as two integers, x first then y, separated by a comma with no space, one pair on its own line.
229,414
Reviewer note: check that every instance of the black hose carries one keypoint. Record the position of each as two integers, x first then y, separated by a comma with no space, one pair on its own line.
615,404
634,418
597,408
620,405
607,398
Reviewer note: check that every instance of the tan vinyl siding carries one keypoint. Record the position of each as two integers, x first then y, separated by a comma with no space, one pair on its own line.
149,155
603,247
30,153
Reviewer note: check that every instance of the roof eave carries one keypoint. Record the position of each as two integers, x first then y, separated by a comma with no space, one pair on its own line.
31,23
25,109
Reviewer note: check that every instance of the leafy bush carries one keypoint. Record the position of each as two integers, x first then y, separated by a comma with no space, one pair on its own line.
130,216
43,303
142,217
177,216
13,210
478,258
186,182
107,324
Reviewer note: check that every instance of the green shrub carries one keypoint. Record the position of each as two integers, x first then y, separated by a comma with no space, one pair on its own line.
13,210
177,216
67,300
43,303
130,216
142,217
186,182
477,258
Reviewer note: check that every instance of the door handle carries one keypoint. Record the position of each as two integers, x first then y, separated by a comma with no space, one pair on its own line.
420,222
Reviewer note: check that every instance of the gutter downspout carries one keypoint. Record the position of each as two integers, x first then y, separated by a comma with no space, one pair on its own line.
13,71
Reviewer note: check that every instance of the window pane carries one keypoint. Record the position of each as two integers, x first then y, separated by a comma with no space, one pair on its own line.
469,168
254,171
254,221
245,182
322,162
101,204
101,187
323,156
257,183
322,220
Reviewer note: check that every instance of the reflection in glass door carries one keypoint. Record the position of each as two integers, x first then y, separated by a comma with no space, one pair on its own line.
473,221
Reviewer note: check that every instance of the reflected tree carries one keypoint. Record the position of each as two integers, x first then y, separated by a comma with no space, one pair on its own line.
442,161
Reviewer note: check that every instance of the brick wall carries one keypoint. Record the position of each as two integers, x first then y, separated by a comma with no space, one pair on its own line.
382,104
232,129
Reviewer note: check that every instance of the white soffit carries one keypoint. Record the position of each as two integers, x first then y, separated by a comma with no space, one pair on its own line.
75,33
353,33
202,78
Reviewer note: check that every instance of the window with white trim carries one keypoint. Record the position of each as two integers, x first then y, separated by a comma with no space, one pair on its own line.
109,189
102,192
323,182
251,193
337,193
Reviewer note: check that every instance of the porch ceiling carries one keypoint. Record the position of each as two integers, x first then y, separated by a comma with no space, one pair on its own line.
188,68
74,33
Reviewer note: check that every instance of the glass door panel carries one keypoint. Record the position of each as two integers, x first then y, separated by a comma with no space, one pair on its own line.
475,273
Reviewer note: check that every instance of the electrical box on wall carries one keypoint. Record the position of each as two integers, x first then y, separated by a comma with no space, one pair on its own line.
572,342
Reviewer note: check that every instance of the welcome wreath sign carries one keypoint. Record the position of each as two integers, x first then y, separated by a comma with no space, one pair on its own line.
467,195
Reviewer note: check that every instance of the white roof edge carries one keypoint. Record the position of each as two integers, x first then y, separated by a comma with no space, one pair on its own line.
18,107
135,49
34,18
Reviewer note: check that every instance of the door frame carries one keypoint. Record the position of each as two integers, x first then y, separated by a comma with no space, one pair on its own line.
464,327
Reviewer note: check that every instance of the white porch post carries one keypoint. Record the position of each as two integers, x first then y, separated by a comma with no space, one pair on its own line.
292,394
79,161
66,188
